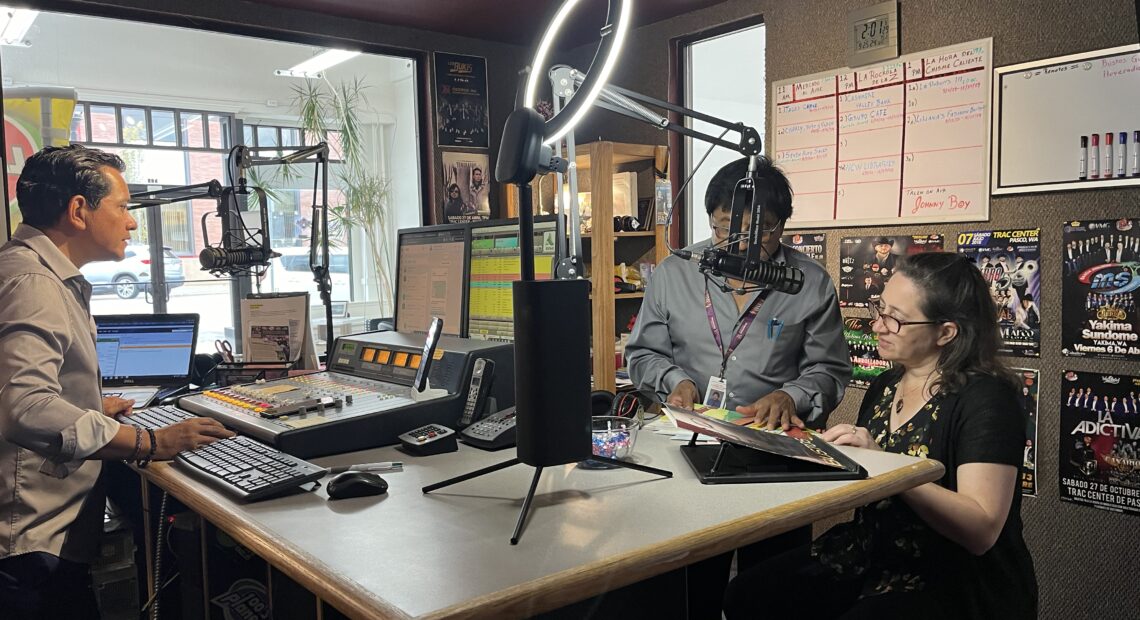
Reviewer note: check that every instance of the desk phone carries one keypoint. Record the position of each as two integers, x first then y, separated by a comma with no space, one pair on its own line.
494,432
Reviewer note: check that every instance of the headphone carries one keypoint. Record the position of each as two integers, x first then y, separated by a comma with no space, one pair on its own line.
626,223
626,404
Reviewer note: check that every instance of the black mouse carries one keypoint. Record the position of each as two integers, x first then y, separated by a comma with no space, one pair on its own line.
357,484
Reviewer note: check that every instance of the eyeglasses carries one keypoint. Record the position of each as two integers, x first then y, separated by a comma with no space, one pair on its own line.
767,230
892,324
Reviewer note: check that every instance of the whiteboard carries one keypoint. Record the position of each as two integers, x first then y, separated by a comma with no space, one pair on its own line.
1058,119
905,141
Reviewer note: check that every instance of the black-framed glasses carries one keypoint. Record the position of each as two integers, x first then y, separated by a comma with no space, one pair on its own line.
767,230
891,323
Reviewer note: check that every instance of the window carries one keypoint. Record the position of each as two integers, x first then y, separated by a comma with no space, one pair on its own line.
725,77
173,122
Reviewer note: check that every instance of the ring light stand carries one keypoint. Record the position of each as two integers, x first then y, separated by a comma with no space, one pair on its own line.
552,367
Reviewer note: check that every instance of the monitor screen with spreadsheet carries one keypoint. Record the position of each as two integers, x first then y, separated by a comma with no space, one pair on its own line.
151,349
431,276
495,265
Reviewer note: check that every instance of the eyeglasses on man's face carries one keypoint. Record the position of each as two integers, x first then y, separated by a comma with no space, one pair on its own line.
890,323
722,231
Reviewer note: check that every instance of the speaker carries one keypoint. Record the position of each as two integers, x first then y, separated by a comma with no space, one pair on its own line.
552,371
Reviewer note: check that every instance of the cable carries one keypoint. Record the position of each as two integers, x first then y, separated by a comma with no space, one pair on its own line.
681,191
158,586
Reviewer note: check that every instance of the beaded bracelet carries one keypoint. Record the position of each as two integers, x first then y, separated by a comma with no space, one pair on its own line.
138,444
150,454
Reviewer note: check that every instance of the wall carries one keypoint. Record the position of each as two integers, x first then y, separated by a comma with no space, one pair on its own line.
1086,558
228,15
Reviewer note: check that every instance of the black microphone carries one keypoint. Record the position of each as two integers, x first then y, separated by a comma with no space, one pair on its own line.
234,261
766,274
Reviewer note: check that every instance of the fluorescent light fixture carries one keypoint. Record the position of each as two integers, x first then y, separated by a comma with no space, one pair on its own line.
313,67
14,25
620,30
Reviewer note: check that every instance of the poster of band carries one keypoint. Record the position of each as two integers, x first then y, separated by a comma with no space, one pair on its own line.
1010,261
814,245
866,264
465,179
461,109
863,344
1098,462
1028,382
1101,275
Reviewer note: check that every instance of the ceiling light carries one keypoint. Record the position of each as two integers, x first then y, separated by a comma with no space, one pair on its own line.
313,67
14,25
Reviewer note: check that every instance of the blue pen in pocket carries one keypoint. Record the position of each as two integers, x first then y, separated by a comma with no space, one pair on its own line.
775,326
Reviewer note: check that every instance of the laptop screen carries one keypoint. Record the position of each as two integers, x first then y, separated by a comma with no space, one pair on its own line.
146,349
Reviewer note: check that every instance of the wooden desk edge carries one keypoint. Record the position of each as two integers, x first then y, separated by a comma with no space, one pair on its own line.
560,589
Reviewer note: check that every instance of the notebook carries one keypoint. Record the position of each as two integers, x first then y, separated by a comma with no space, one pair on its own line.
142,356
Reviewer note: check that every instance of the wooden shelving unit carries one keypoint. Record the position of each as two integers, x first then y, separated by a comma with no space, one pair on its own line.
608,157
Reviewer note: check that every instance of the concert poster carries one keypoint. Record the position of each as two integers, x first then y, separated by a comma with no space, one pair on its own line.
1028,381
1100,278
1010,262
814,245
466,178
461,108
863,345
867,263
1098,462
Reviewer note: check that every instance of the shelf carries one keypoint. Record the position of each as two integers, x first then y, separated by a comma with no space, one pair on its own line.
629,295
639,233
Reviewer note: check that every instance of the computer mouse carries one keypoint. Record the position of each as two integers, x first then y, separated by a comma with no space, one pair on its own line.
357,484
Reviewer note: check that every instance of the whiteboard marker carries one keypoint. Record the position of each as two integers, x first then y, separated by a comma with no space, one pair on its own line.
1136,153
1121,152
1084,173
1106,170
1094,157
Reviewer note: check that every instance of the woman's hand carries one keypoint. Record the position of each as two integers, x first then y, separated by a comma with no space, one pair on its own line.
850,435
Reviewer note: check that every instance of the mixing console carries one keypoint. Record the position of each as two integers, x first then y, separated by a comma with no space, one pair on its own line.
362,402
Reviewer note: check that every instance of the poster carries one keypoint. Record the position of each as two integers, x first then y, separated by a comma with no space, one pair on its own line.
34,117
1099,282
1098,463
812,244
1028,382
1010,261
866,264
465,181
461,110
863,345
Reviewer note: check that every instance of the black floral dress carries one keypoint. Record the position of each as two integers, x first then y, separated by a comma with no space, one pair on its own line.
886,541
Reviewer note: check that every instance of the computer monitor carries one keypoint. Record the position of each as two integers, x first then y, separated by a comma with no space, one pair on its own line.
431,276
495,265
145,349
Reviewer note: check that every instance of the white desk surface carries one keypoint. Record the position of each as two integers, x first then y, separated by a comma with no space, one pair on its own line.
447,554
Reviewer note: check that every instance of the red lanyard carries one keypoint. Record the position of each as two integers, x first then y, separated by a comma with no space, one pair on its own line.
742,325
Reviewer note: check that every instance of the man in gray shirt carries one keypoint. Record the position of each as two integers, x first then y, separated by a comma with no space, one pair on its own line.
55,426
779,358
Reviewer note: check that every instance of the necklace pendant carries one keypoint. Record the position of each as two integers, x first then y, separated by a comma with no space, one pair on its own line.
898,406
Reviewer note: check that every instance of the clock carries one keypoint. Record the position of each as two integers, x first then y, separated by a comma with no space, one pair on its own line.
872,34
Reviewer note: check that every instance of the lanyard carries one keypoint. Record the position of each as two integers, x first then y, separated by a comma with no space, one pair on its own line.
742,325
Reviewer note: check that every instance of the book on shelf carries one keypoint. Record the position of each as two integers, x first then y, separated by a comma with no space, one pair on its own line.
752,453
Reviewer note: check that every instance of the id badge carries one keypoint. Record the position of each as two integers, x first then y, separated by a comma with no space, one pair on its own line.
715,393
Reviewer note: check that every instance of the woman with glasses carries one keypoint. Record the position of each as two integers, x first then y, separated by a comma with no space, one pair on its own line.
947,549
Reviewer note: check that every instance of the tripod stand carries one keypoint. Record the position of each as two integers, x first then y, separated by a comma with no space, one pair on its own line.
534,483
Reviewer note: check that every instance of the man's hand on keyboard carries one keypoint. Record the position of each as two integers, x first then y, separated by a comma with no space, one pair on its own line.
188,435
113,406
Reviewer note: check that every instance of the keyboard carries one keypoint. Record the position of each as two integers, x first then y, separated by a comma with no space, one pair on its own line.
242,467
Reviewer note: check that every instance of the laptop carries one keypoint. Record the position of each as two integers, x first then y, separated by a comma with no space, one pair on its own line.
145,356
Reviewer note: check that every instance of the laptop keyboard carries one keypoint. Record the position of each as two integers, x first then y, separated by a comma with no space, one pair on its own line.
242,467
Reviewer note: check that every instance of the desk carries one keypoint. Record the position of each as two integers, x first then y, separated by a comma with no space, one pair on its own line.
446,555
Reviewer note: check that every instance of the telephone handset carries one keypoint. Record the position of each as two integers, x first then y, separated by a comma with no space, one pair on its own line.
482,376
434,331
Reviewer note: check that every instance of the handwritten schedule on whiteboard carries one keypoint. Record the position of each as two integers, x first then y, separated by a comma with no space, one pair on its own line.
906,141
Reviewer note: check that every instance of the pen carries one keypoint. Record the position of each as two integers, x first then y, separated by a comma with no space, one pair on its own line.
383,466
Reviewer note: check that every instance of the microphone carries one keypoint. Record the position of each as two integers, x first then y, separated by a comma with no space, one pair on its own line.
765,274
235,261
